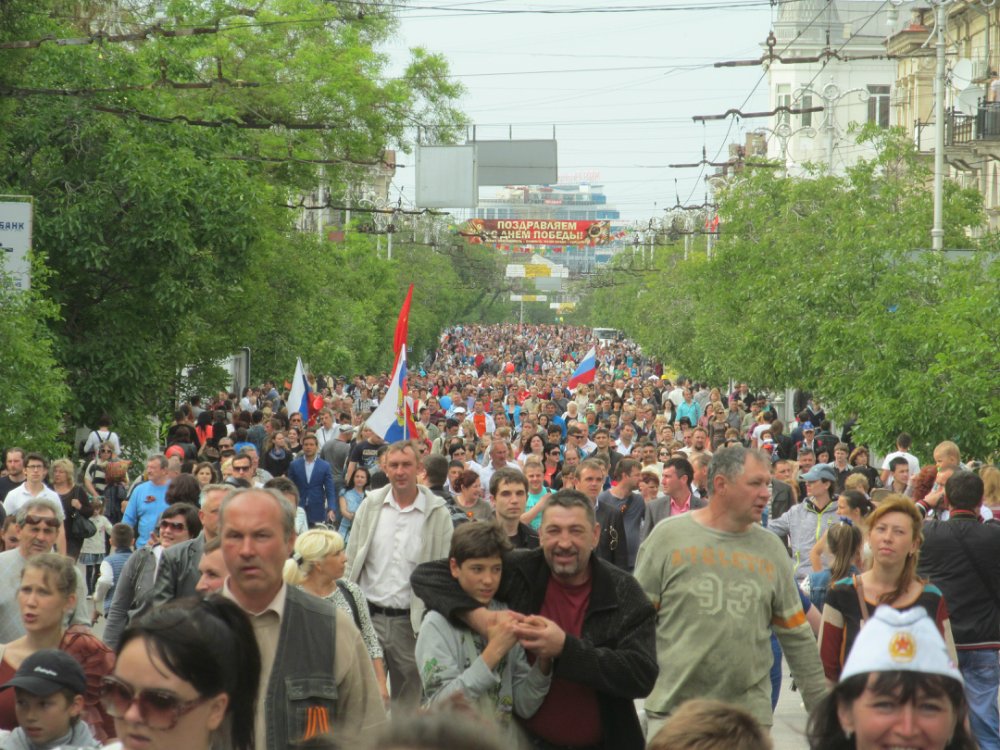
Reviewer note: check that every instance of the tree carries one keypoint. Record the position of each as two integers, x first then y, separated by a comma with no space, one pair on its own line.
33,384
825,283
162,168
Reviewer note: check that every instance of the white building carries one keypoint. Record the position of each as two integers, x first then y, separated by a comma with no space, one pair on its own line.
853,91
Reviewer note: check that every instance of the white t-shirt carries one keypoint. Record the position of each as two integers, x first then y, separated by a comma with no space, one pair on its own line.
910,459
20,495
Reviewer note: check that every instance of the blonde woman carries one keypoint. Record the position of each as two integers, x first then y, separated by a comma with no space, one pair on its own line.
991,488
74,500
317,566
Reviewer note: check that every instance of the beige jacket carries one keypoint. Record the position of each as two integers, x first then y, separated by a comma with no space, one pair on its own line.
435,544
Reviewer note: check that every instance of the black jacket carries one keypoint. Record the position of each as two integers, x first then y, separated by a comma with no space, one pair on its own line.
781,499
972,605
616,655
613,544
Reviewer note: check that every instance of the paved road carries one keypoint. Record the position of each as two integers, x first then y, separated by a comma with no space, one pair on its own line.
789,731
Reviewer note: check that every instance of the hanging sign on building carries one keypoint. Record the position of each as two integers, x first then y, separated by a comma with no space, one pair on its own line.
536,232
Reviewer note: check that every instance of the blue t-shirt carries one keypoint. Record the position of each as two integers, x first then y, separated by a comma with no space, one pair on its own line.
144,507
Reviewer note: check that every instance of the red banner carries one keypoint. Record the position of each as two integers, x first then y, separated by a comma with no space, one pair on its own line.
536,232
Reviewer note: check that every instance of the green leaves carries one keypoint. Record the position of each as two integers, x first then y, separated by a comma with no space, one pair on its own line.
826,284
160,188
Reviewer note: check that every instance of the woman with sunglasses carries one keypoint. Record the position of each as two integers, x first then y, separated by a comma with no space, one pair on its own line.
177,523
186,677
95,477
46,596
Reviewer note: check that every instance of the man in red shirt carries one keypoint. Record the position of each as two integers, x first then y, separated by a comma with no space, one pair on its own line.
587,614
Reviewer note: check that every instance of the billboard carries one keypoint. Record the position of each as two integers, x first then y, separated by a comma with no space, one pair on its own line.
536,232
15,241
520,162
446,177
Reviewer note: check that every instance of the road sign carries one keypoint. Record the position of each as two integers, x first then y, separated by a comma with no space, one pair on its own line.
15,241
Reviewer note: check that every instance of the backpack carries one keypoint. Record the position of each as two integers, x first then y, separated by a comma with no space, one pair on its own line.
92,454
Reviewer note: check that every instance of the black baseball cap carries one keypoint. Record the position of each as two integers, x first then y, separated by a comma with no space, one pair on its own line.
48,671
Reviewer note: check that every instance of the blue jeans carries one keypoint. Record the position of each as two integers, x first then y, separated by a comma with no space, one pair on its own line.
981,672
775,672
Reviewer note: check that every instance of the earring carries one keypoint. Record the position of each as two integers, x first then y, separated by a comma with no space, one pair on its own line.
848,733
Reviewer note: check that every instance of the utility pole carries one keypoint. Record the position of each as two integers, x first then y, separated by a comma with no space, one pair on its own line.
937,232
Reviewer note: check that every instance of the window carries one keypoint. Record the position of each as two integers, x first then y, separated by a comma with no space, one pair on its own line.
878,105
807,117
783,98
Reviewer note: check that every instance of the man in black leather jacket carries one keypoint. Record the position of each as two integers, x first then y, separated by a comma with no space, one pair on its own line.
592,617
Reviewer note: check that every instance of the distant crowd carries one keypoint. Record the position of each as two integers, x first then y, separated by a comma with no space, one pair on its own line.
518,573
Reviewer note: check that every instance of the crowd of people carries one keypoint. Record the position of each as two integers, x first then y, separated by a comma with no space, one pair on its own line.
529,564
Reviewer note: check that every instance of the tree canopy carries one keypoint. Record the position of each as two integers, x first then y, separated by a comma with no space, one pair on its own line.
163,155
826,283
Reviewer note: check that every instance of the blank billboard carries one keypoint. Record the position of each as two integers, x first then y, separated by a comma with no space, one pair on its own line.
446,177
526,162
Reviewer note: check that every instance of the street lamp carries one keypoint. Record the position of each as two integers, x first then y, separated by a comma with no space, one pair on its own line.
784,133
831,94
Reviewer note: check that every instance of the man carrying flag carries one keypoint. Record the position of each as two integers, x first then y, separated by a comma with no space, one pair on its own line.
395,528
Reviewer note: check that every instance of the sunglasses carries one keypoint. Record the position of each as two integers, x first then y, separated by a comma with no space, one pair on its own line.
52,523
159,709
241,468
173,525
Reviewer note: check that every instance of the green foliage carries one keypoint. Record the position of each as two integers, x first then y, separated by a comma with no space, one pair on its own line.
826,283
168,244
33,384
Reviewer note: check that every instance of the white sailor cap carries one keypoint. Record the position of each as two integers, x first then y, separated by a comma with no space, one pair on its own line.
894,641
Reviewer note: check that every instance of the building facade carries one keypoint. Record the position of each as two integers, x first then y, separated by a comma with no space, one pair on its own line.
851,90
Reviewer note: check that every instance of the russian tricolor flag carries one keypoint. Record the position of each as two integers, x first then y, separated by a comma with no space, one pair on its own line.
391,420
298,396
585,371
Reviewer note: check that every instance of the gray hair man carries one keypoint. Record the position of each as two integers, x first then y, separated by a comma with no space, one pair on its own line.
315,670
39,521
720,583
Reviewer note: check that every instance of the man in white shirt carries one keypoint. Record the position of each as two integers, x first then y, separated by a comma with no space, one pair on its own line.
499,459
328,431
396,528
903,444
626,440
35,467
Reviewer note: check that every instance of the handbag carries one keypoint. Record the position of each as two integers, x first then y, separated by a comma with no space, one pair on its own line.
81,527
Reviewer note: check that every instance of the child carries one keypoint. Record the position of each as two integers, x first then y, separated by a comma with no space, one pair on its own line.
94,547
122,537
49,686
844,541
492,674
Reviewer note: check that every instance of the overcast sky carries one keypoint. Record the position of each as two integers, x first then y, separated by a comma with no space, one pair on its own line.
620,87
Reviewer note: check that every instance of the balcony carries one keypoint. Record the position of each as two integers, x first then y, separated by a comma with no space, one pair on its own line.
988,121
969,130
